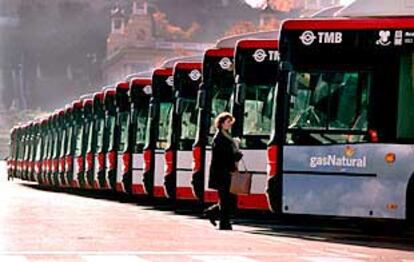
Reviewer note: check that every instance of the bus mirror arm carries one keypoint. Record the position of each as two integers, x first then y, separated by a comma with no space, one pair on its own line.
152,111
179,106
240,93
201,99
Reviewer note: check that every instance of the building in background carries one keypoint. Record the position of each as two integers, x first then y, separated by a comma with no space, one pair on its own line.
134,46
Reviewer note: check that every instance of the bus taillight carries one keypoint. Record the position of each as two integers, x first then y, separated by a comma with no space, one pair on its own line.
272,152
196,166
373,135
147,154
169,162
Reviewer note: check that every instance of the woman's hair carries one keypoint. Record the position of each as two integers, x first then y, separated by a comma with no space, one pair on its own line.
221,118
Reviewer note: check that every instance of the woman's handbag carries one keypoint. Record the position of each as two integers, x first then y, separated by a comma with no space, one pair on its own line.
241,181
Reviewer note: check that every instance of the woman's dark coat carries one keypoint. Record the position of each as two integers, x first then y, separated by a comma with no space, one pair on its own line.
223,161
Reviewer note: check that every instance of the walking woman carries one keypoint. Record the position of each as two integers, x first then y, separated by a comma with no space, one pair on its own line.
225,155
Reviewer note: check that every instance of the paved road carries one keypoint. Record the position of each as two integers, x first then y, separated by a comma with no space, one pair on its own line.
42,225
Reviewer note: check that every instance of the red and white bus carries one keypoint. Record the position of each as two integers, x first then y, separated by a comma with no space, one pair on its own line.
343,132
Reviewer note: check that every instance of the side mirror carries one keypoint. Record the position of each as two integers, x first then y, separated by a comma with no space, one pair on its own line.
201,99
152,110
240,93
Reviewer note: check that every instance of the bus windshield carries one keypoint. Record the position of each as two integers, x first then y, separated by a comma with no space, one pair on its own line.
111,131
63,143
100,125
79,135
329,107
69,133
124,122
90,135
188,124
405,125
50,145
56,144
258,109
141,120
221,95
163,131
39,149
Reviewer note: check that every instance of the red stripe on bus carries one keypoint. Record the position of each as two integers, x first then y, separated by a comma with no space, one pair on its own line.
119,187
96,184
185,193
138,189
210,197
141,82
221,52
159,191
251,44
252,201
188,66
163,72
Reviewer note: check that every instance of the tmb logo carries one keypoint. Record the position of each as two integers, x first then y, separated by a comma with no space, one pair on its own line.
308,38
260,55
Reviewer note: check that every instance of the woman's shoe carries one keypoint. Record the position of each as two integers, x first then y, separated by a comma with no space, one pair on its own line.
225,226
211,217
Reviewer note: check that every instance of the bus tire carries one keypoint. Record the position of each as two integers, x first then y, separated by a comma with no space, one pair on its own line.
198,185
273,194
170,185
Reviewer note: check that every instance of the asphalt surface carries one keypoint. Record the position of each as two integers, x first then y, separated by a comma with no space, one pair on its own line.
40,224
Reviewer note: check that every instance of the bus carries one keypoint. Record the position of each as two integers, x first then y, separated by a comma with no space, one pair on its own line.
11,163
98,177
256,66
88,138
342,136
71,144
157,130
110,138
215,96
77,133
123,104
140,91
63,146
182,125
39,151
26,151
49,149
132,103
27,148
35,142
57,144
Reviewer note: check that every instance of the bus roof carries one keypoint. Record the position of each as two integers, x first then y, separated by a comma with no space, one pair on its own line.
188,65
377,8
144,74
230,41
256,43
87,96
171,62
122,85
350,23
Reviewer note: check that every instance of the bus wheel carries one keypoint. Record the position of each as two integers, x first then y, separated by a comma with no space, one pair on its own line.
198,185
273,194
